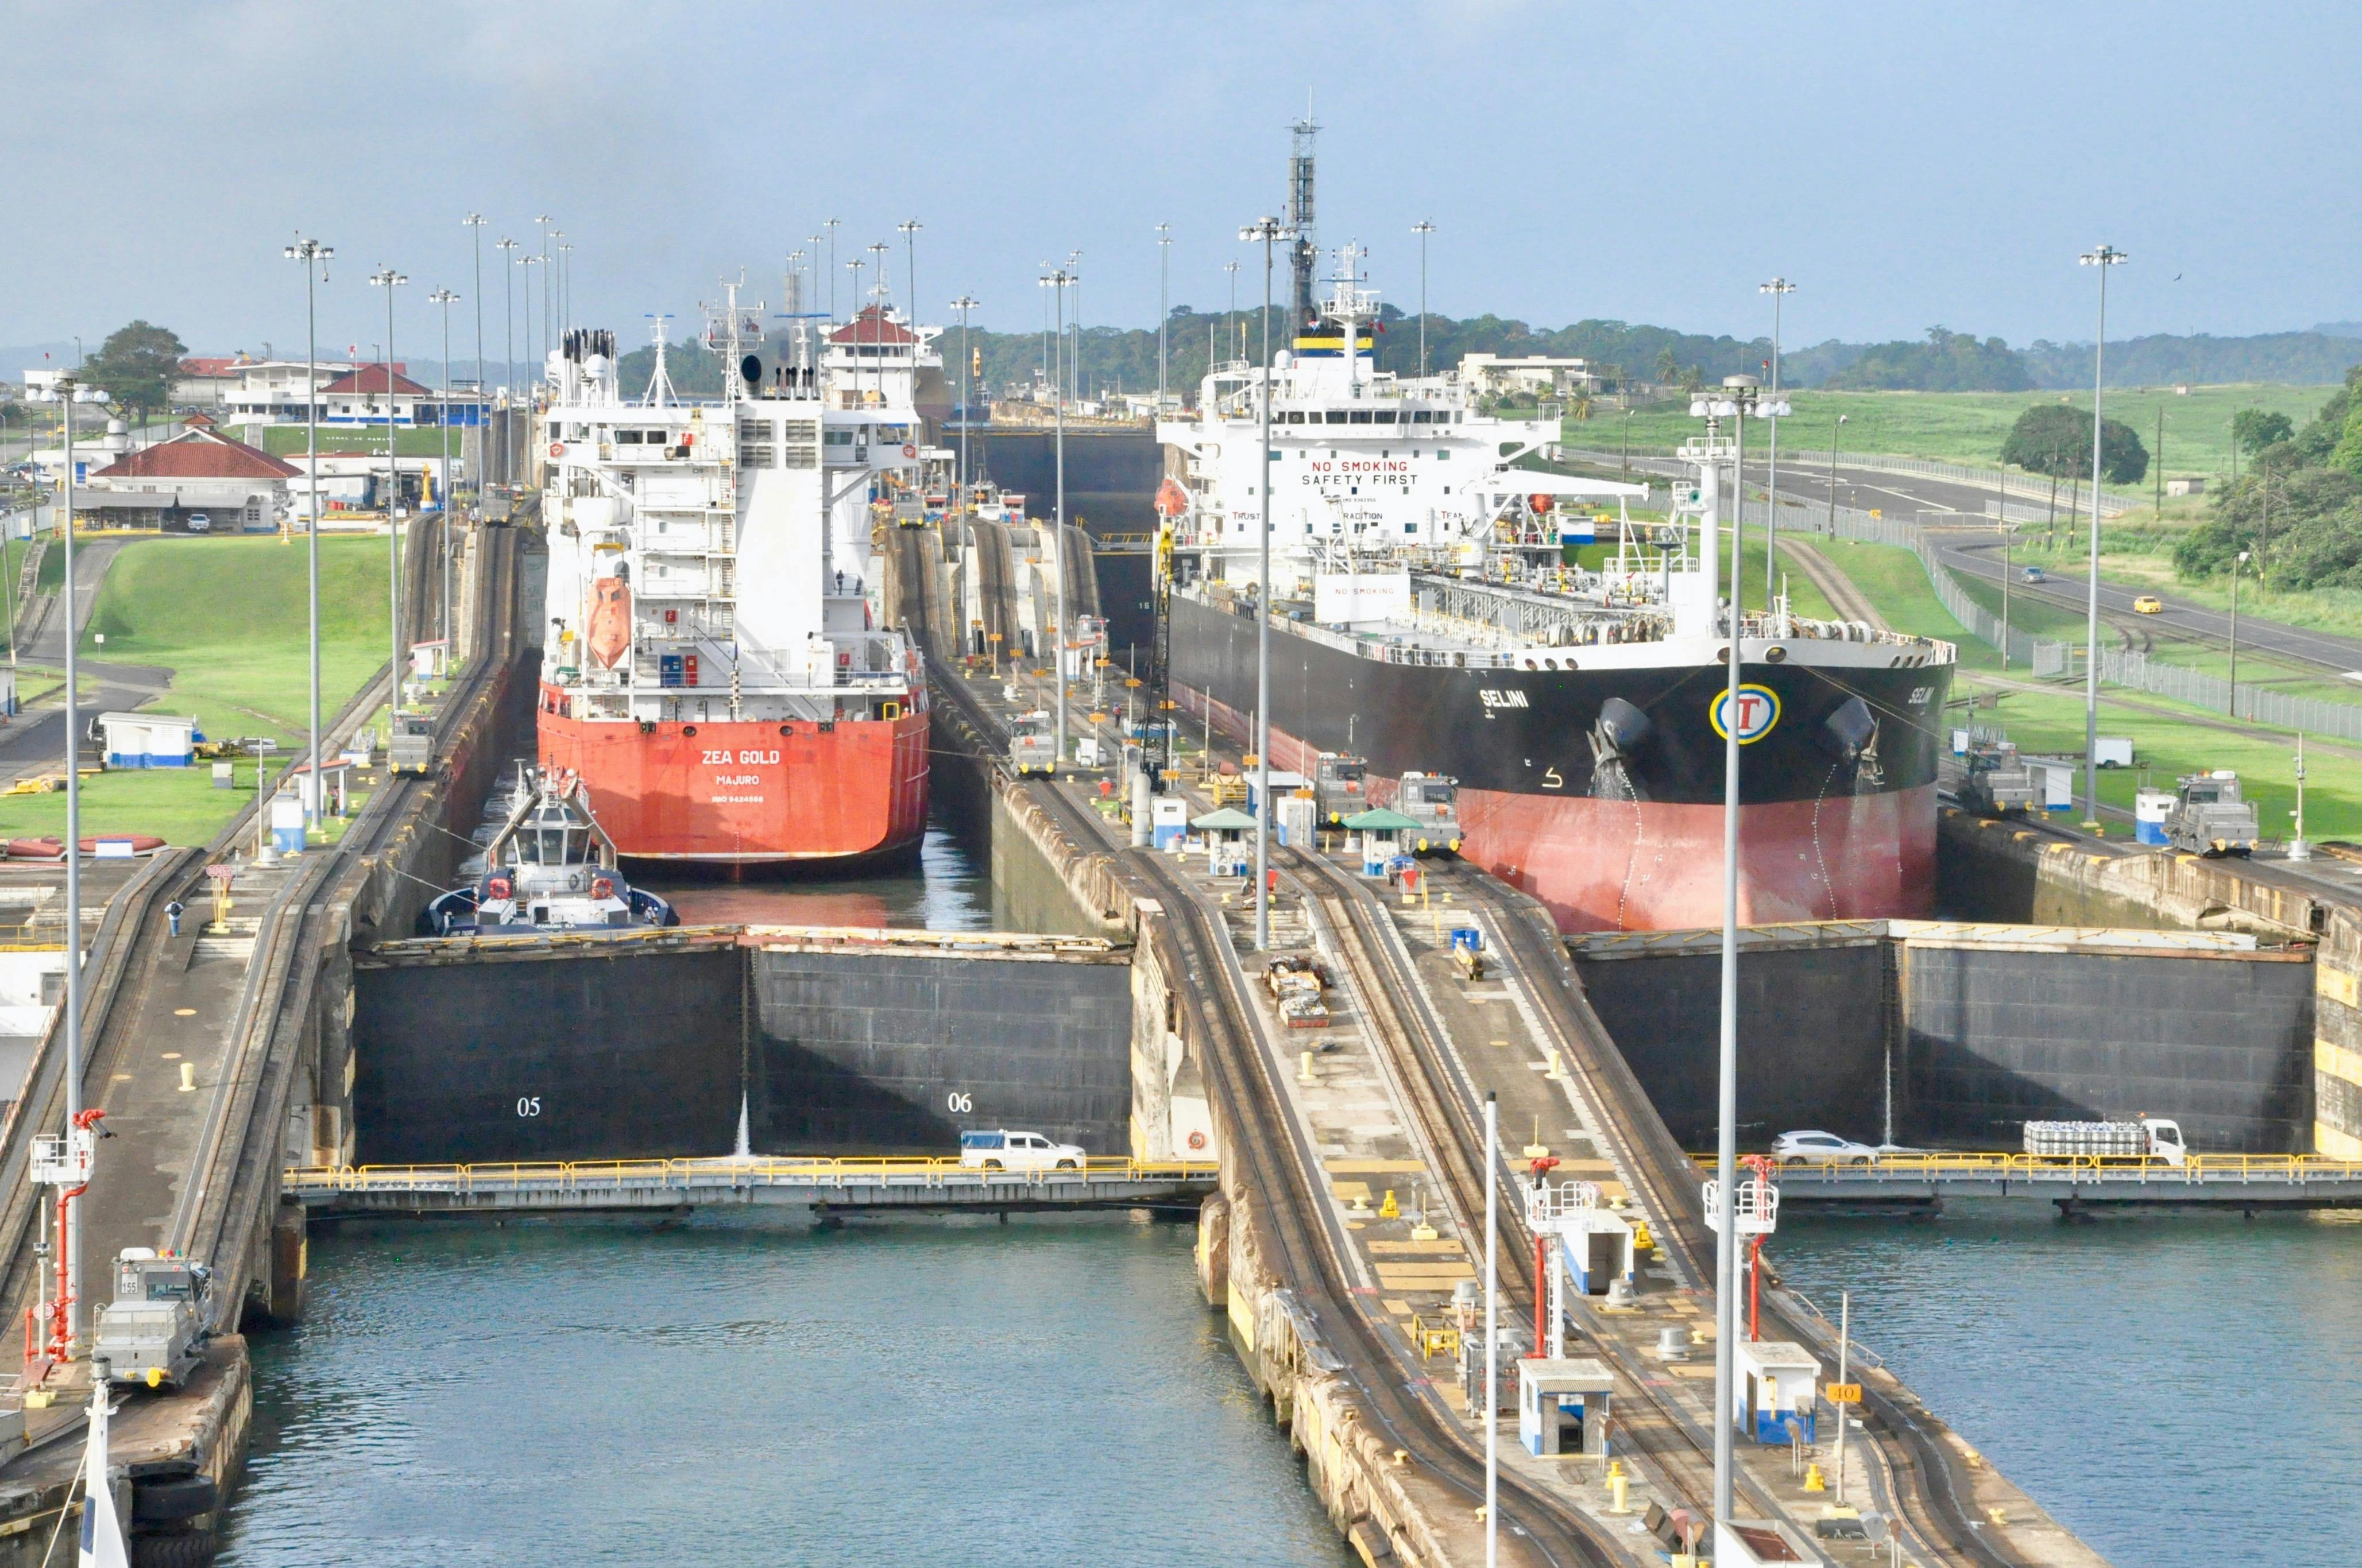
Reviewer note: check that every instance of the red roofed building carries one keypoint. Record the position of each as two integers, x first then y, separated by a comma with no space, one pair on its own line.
878,362
200,474
359,397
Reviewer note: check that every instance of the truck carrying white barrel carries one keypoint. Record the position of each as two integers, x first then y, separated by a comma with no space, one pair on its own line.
2149,1137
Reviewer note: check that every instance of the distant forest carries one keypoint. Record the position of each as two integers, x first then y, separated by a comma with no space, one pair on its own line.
1124,359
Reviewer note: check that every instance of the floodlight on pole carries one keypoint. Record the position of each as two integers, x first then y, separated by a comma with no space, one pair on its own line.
2104,257
66,392
908,230
1779,289
474,223
446,299
1423,229
1058,280
508,295
1270,232
959,489
1163,302
389,280
314,256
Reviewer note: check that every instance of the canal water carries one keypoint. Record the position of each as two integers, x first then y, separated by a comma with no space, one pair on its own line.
749,1389
742,1391
2180,1390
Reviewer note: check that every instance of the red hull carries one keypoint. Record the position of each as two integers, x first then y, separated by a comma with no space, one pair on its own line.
746,793
1621,866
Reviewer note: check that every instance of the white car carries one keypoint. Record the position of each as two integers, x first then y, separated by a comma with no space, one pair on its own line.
200,523
1005,1151
1817,1148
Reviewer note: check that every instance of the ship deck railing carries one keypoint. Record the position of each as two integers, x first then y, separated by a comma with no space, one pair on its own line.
888,1181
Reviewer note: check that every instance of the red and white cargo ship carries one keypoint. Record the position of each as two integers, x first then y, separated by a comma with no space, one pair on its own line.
715,669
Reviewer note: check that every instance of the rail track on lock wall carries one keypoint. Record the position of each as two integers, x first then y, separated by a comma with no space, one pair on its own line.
1277,1165
1920,1471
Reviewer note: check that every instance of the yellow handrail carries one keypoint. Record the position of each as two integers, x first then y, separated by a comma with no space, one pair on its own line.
576,1174
2000,1165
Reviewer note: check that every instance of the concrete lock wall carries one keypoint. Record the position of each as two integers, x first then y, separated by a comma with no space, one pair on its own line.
1813,1037
577,1058
889,1052
2223,1042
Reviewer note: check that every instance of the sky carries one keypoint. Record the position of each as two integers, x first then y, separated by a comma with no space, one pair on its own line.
1904,165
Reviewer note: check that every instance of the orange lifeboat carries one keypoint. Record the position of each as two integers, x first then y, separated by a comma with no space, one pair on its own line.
1172,501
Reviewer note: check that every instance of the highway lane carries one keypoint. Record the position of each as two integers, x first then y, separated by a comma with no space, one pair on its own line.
34,741
1974,552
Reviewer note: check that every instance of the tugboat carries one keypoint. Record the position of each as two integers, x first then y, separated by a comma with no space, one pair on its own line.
548,869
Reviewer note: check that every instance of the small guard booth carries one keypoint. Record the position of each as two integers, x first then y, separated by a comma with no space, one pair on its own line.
149,740
1168,820
1381,829
1776,1392
1563,1406
1596,1249
1225,830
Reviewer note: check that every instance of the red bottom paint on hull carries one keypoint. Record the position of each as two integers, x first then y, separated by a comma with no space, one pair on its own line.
747,794
1622,865
1652,866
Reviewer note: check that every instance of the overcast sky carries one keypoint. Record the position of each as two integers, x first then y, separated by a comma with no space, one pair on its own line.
1904,164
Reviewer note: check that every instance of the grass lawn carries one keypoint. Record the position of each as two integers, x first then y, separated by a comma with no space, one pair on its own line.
227,616
289,440
2164,742
1963,427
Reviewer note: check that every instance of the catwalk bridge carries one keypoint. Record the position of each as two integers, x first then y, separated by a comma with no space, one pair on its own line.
1921,1181
821,1184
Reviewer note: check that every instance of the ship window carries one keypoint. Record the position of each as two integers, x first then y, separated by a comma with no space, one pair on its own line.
1443,452
1336,416
1389,417
1420,416
1359,416
627,438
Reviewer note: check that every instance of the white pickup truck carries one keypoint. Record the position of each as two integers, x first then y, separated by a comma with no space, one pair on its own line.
1005,1151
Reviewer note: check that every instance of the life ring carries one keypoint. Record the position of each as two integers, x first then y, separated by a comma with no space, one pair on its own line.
557,448
909,450
1197,1139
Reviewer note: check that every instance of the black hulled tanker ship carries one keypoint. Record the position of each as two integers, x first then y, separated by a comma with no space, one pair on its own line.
1435,609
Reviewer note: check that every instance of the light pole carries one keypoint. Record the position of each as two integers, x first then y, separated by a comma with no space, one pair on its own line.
909,232
1833,432
1492,1323
1164,304
959,497
1058,281
544,221
2105,257
474,223
66,392
1230,322
314,256
830,224
389,280
533,356
1779,289
1739,398
1423,229
565,285
1269,232
2006,538
2240,560
854,267
445,298
508,294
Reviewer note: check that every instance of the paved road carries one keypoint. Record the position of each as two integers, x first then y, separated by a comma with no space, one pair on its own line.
34,742
1974,553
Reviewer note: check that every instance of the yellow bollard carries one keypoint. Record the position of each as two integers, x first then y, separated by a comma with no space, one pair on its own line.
188,1077
1813,1480
1618,1488
1552,1072
1389,1209
1303,1069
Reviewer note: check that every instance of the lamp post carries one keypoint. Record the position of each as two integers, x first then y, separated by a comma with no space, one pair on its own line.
854,267
2238,561
830,224
1739,396
1058,281
1779,289
1164,304
314,256
544,221
533,356
474,223
1270,232
66,392
389,280
565,285
1230,322
2006,539
959,493
1423,229
2105,257
508,294
909,232
1491,1327
1834,431
445,298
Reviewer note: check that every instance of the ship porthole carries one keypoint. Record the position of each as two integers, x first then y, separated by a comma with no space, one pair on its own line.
787,729
1529,663
1774,654
689,729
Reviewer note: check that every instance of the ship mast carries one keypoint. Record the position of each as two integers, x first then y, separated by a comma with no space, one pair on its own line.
660,392
1305,250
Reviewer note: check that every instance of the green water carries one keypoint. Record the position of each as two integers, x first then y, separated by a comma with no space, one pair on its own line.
741,1391
2167,1385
